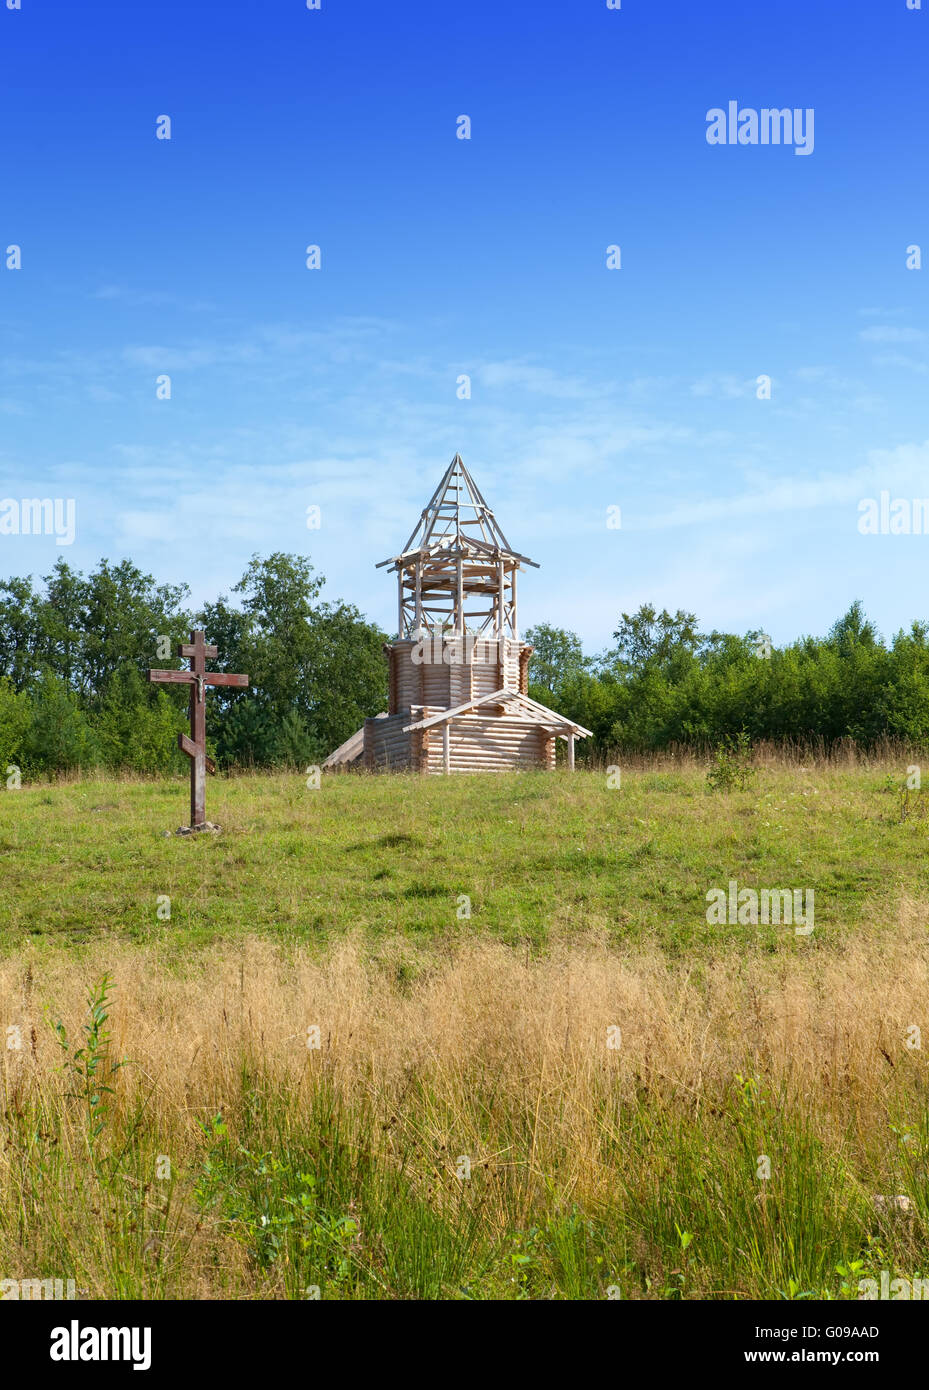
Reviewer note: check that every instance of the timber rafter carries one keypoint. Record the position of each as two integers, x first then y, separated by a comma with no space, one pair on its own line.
457,556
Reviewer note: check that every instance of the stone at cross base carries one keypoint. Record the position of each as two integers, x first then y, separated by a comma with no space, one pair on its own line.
198,678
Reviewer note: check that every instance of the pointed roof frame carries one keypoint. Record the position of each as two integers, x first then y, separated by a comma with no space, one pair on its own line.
451,541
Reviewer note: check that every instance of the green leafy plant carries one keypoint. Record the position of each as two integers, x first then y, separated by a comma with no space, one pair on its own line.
91,1066
732,765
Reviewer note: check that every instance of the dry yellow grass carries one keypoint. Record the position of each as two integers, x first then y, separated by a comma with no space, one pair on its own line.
480,1051
481,1004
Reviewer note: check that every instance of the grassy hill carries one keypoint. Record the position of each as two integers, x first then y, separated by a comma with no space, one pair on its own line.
539,857
335,1079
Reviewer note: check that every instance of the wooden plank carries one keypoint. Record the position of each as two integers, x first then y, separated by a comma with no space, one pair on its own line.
173,677
459,598
558,718
458,709
190,748
225,678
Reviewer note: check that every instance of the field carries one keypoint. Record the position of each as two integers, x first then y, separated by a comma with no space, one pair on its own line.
408,1038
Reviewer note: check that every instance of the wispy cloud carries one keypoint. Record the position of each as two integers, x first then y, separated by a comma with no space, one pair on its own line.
723,386
149,299
904,467
899,359
539,380
889,333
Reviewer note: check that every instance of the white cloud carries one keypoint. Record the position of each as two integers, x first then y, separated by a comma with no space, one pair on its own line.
887,333
723,386
544,381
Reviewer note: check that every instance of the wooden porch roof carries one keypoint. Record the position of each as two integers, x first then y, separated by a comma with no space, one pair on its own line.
525,708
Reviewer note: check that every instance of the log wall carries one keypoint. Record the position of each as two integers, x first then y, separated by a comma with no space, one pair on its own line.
499,665
477,743
387,747
482,743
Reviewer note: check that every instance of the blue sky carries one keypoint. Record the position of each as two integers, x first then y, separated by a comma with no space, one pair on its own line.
590,387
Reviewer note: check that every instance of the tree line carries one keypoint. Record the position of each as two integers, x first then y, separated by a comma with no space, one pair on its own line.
74,651
664,682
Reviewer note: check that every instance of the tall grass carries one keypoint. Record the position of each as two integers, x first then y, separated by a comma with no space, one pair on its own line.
464,1129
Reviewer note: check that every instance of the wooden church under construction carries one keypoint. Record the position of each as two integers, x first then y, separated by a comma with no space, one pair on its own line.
458,672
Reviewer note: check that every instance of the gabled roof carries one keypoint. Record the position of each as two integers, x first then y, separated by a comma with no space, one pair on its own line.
521,706
457,521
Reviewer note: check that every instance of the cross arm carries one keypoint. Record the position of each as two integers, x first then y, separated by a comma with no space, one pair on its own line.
224,678
187,745
173,677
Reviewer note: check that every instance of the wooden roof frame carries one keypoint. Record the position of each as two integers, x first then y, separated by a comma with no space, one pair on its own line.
457,555
438,533
559,724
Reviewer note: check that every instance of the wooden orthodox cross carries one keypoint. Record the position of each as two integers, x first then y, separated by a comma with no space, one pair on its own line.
198,678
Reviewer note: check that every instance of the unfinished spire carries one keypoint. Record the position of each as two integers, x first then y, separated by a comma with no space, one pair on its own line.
457,572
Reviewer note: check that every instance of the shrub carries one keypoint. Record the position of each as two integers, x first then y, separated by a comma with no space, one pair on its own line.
732,765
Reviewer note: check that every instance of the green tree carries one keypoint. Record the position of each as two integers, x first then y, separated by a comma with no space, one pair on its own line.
557,659
347,680
650,638
316,670
60,737
124,612
279,593
15,722
21,645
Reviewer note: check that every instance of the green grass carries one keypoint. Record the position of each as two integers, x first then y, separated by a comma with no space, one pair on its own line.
536,854
302,1202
